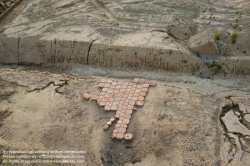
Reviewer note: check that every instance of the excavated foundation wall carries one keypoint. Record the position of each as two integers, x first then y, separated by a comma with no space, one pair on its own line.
53,52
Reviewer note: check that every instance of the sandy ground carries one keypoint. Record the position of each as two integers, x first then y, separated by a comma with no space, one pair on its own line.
179,124
186,120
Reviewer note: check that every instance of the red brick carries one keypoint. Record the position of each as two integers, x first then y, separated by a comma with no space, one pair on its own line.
106,85
112,119
117,115
118,86
101,85
130,107
117,126
107,95
124,126
109,123
144,90
94,97
114,83
125,83
115,103
139,103
115,130
102,103
153,82
113,135
119,136
129,112
110,91
128,137
112,87
106,108
139,86
121,118
113,108
86,96
143,94
124,107
131,102
126,121
105,89
141,80
106,127
138,90
109,81
140,98
136,80
145,85
136,94
116,91
103,81
122,90
134,98
121,130
147,81
127,116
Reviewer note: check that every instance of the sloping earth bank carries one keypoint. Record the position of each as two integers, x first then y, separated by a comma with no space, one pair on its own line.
129,34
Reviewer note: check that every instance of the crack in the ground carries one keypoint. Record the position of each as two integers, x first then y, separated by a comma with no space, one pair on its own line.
234,148
18,50
90,45
63,82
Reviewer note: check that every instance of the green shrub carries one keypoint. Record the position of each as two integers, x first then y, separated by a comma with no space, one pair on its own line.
234,37
217,35
170,51
235,26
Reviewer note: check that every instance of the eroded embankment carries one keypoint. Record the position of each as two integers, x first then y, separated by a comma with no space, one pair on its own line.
63,52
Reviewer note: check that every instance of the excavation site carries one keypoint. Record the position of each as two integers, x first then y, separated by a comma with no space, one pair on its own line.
125,83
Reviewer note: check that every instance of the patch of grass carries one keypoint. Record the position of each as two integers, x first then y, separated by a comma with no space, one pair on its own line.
170,51
185,61
198,55
217,35
235,26
234,37
161,116
216,68
165,103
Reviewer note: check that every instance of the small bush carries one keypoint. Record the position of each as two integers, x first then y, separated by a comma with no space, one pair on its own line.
217,35
235,26
234,37
170,51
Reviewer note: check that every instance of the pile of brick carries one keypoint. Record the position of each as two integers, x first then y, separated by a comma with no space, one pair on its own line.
121,97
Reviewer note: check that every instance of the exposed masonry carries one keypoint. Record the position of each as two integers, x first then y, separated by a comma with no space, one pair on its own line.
237,138
121,97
